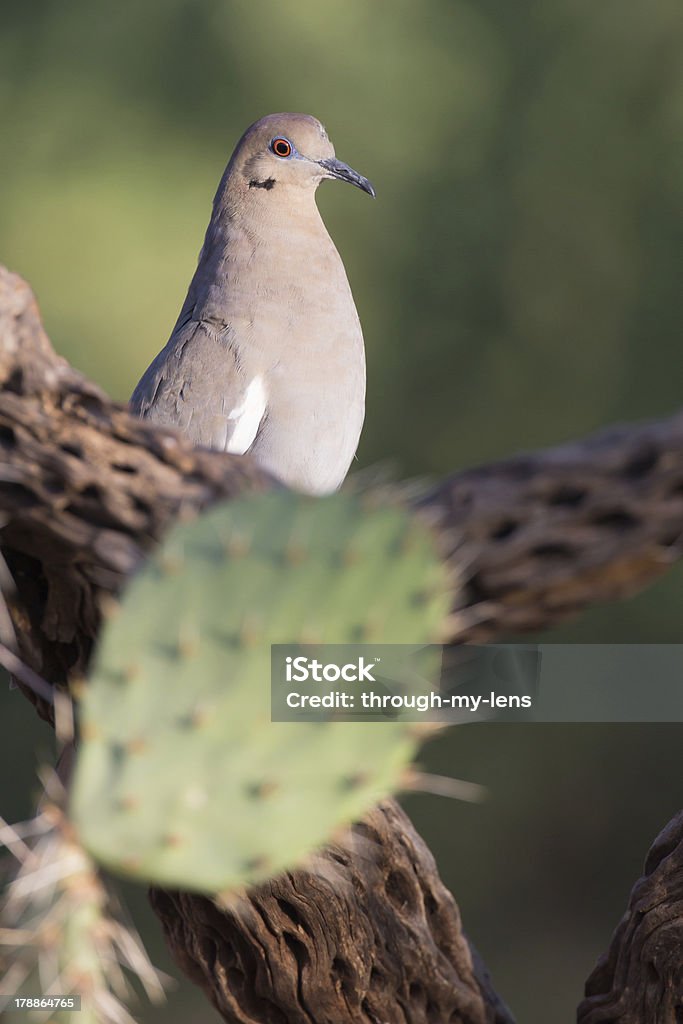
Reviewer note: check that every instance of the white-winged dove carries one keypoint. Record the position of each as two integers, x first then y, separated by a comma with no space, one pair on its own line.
267,354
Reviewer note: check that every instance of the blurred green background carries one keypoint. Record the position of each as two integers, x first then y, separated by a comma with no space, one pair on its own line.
518,279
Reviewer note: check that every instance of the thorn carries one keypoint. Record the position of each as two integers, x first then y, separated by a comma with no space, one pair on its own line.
309,635
350,556
355,781
228,899
198,717
262,790
250,633
136,746
441,785
421,731
12,664
170,563
238,545
257,865
371,630
109,607
295,553
77,688
128,803
64,718
130,864
188,640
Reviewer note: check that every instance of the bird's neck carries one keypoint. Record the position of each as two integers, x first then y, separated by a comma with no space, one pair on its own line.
261,233
263,214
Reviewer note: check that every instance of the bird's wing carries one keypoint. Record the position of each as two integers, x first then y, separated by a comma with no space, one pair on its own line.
196,384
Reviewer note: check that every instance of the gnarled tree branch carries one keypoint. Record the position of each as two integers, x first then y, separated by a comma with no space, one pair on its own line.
371,934
85,489
640,978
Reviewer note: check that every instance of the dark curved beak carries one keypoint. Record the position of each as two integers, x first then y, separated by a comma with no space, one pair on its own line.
337,169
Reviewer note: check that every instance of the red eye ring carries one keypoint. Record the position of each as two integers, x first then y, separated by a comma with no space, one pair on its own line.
281,148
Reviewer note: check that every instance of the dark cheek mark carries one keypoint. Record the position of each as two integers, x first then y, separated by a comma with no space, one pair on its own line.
267,184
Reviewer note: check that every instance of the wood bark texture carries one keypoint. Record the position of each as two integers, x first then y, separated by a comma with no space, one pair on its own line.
368,933
640,978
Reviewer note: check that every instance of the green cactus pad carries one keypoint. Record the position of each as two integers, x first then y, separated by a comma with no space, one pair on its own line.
182,779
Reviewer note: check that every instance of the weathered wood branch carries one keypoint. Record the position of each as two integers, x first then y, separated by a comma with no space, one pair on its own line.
549,533
372,935
640,978
85,489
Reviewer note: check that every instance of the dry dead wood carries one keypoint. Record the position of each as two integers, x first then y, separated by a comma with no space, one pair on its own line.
85,489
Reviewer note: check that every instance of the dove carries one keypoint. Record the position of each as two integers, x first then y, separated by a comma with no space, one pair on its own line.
267,356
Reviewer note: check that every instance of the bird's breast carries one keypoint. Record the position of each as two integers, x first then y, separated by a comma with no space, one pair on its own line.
287,312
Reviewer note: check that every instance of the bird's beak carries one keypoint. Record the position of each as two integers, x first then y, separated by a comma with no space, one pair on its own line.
337,169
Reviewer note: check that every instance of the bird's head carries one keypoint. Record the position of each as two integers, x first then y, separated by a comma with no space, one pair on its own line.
289,150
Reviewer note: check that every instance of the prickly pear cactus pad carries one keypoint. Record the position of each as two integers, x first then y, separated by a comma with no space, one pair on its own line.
182,779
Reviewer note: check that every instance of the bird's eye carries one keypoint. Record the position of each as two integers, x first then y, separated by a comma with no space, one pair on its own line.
281,147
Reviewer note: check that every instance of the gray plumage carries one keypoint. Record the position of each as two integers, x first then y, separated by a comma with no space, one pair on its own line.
267,354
